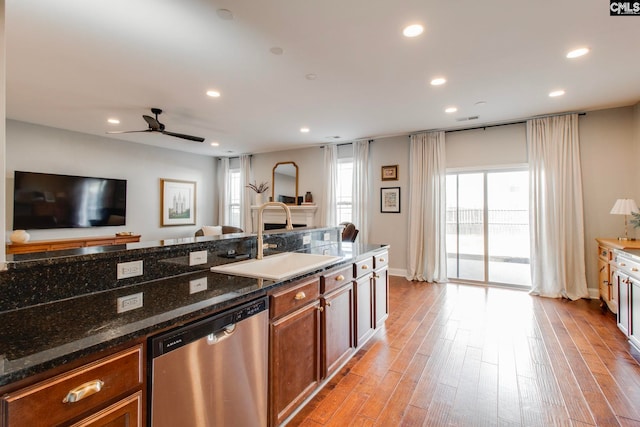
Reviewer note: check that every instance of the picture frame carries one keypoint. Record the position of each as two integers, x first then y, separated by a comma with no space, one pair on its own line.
177,202
390,173
390,200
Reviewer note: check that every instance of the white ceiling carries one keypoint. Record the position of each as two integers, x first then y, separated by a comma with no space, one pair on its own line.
72,64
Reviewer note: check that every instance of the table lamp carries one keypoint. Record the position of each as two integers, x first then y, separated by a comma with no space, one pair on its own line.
624,207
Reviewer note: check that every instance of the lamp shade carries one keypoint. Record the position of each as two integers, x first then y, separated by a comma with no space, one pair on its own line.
624,207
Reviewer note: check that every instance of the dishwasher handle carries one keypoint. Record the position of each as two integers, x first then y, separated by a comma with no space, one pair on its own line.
219,336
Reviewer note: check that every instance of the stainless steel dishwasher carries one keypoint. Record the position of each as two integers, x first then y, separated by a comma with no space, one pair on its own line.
212,372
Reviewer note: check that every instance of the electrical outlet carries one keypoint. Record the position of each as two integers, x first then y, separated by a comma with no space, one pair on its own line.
327,237
129,269
198,257
130,302
306,239
197,285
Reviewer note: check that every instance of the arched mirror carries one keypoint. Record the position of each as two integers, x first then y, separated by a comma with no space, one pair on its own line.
284,180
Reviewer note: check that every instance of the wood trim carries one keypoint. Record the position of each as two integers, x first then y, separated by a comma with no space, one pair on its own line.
71,243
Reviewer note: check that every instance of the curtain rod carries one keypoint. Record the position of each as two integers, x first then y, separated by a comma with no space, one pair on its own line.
521,121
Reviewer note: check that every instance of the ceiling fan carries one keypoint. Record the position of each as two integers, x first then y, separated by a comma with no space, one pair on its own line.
156,126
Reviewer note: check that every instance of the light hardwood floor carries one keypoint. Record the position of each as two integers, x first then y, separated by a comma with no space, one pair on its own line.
464,355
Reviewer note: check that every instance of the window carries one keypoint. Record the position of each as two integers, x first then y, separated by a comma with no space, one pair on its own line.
344,191
235,194
488,226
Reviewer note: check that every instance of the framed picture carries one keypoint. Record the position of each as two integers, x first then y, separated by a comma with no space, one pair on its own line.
390,173
177,202
390,200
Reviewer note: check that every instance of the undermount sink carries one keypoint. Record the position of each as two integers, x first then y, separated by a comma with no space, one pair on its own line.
277,267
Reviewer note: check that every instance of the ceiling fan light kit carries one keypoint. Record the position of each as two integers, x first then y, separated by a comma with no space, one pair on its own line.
156,126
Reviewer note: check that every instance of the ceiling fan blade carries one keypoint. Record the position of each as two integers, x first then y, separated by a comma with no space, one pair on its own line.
154,124
128,131
183,136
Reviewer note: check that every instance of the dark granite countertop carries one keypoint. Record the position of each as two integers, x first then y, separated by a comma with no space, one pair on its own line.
41,337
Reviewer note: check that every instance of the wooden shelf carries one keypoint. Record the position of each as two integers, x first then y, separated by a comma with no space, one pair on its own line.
72,243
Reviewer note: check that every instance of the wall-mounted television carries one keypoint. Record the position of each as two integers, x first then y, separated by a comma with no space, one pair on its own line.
44,200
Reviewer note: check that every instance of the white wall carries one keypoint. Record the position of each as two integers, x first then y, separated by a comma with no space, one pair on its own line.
2,129
487,147
36,148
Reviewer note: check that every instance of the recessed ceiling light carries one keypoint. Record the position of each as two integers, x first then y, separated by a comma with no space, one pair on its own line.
224,14
556,93
304,130
276,50
114,121
311,76
215,144
213,93
578,52
438,81
480,103
450,109
413,30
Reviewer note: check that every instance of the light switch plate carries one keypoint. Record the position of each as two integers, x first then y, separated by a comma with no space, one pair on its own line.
198,257
129,302
327,237
197,285
306,239
129,269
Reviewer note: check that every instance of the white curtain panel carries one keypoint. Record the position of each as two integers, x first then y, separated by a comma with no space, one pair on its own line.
246,222
223,190
556,210
328,213
426,249
361,189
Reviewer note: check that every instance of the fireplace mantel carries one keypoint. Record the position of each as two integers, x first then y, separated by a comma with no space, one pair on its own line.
304,214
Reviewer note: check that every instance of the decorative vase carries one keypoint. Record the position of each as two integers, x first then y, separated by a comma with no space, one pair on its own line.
308,198
259,200
19,236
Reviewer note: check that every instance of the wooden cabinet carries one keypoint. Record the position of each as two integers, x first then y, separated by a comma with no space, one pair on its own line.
606,283
338,343
74,243
105,392
634,312
294,348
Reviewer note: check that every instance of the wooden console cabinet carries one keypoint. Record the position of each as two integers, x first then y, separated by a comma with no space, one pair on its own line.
72,243
607,282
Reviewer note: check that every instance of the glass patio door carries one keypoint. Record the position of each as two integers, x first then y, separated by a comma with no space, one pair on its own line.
488,226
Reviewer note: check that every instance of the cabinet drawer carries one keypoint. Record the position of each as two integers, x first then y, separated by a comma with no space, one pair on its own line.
291,298
119,373
605,253
363,267
380,260
335,279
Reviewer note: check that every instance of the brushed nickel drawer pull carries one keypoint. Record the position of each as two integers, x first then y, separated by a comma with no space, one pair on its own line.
300,295
320,309
339,278
622,264
328,303
365,267
381,259
634,268
83,390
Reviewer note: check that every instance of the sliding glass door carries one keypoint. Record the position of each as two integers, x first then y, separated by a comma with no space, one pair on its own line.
488,226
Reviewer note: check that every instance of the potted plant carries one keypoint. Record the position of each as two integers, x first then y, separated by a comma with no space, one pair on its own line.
259,190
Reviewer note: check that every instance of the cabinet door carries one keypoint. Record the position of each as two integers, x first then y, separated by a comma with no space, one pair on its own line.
294,359
381,291
125,413
634,312
603,280
338,342
623,303
365,322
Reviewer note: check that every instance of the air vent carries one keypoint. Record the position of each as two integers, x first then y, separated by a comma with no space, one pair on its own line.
464,119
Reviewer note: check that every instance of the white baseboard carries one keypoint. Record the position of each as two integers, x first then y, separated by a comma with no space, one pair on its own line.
402,272
593,293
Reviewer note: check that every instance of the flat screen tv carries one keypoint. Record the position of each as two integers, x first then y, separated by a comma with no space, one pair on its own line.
44,200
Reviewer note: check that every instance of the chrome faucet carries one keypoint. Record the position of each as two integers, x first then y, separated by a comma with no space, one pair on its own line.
260,225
